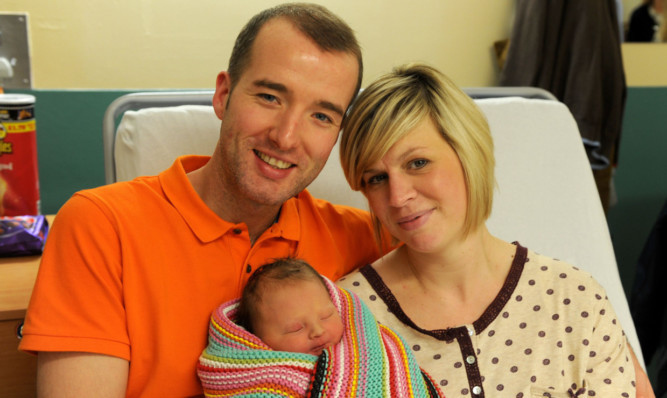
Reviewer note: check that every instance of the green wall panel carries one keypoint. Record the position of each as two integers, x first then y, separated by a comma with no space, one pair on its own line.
641,176
69,144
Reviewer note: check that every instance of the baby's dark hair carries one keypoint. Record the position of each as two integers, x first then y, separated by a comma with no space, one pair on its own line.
281,269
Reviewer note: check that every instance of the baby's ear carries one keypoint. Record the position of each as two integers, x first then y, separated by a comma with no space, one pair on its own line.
242,319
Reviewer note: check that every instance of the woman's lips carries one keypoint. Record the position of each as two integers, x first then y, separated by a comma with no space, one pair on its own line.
415,220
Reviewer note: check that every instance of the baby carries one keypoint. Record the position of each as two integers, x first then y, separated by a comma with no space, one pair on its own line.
293,333
287,305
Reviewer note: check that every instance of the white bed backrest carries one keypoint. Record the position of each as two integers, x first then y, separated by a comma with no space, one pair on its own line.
546,197
148,140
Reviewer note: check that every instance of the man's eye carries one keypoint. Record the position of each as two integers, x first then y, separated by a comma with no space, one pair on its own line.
268,97
323,118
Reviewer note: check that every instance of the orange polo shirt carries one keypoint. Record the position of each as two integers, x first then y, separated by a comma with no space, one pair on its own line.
134,270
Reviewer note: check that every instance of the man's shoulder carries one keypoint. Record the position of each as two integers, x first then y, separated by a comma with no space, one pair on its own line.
328,209
128,197
342,218
125,190
173,178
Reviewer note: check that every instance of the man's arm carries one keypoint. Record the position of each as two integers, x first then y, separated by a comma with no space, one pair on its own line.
79,374
644,389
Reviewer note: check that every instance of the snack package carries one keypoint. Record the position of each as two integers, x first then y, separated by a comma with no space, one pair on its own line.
22,235
19,176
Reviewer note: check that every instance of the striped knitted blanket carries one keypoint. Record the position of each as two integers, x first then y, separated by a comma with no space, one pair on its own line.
370,361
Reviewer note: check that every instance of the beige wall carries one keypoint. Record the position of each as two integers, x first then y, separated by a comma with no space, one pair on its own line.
628,7
128,44
183,44
645,64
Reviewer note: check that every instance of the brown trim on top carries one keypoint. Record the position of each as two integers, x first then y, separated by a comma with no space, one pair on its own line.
449,334
505,293
461,333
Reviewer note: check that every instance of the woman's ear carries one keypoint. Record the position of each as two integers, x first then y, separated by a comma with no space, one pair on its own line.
221,95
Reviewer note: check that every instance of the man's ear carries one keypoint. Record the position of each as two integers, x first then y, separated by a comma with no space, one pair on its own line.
221,95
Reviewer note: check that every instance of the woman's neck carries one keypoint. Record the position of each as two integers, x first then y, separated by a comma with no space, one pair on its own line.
457,283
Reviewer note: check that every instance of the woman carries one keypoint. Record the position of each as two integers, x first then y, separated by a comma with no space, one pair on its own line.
485,317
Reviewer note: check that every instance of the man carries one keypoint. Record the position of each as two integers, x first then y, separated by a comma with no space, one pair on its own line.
132,271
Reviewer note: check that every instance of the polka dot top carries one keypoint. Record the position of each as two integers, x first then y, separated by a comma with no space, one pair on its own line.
550,332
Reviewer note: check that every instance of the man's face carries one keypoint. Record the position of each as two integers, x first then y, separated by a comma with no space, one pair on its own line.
283,116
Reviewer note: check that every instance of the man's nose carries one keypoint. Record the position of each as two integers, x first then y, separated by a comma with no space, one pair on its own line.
285,132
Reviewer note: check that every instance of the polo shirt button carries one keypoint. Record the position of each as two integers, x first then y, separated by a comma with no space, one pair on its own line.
237,231
248,268
470,359
477,390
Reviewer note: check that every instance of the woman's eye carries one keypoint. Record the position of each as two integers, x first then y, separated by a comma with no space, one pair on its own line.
376,179
418,163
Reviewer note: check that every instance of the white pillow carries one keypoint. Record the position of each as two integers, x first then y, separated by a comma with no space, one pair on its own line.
149,140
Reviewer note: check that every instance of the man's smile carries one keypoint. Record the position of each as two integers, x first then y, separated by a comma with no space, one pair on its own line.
273,162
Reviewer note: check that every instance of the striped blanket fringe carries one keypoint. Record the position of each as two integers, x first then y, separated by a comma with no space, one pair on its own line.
370,361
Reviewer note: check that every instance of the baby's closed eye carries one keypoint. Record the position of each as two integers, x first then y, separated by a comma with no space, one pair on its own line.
294,328
328,314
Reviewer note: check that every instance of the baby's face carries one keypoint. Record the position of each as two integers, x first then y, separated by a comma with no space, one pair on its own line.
298,316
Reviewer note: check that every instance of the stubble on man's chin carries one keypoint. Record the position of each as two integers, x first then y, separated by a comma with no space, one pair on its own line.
262,193
266,198
265,194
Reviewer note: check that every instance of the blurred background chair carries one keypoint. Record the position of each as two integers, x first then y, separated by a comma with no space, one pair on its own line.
648,301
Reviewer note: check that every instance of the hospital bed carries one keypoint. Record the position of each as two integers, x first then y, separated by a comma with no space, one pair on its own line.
546,197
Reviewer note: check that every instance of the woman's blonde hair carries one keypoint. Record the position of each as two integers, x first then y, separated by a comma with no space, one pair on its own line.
396,103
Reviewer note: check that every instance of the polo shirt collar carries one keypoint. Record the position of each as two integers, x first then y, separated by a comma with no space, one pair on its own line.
203,222
289,221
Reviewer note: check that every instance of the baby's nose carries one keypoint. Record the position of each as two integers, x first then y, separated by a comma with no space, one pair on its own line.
316,331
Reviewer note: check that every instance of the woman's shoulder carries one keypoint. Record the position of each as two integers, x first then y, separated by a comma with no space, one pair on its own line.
542,267
354,279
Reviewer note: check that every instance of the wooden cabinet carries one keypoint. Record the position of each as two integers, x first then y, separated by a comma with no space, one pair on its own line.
17,369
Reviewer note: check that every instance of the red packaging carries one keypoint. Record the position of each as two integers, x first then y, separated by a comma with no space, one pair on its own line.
19,179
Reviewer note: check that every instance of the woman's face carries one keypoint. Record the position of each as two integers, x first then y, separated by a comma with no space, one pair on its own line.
418,191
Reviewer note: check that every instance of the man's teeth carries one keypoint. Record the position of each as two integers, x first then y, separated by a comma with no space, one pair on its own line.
278,164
